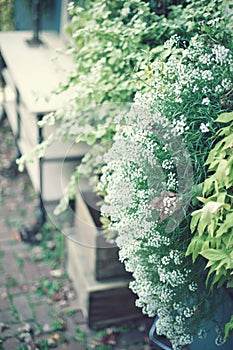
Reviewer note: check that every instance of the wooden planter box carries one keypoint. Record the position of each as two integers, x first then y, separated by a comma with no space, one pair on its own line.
100,255
92,263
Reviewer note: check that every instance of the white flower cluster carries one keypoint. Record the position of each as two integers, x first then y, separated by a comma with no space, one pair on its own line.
180,125
206,69
137,184
204,127
142,183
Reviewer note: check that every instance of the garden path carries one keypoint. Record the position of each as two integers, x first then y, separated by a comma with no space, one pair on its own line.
39,308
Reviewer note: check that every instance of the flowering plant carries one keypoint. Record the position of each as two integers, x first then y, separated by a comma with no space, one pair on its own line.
152,175
111,44
155,167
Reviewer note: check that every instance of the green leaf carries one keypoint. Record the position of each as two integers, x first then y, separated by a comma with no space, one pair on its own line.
214,164
228,141
157,49
208,185
194,248
228,328
211,228
207,213
226,225
204,220
210,157
221,266
224,131
230,283
225,117
218,279
221,172
105,221
213,254
90,139
211,271
227,240
195,218
221,281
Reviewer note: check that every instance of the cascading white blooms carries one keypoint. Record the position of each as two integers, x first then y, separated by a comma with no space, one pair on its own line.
134,177
147,179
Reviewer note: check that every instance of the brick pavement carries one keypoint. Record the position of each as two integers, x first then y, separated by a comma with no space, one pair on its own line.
37,309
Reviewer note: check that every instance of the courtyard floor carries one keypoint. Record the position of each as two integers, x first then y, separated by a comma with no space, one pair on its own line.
39,308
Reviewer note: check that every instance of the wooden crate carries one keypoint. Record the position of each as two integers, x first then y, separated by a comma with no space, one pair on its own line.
101,256
104,302
99,277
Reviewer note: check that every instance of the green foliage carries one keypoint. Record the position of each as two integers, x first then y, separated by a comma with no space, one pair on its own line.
23,347
47,287
44,344
112,45
98,129
58,324
80,335
228,328
103,347
20,262
11,282
6,15
109,39
213,223
51,248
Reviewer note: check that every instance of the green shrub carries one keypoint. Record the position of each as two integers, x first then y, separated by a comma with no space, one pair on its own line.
6,15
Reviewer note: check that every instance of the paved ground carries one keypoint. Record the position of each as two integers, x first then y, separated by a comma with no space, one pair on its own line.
39,308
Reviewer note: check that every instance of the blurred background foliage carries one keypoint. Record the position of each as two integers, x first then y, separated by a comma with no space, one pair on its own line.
6,15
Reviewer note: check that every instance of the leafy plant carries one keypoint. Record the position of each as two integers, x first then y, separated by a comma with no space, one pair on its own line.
80,335
144,189
11,282
103,347
23,347
47,287
58,324
13,310
229,328
112,45
6,15
71,312
51,247
20,262
213,223
181,92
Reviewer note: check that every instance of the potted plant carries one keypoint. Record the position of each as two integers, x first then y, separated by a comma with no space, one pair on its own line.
158,160
152,168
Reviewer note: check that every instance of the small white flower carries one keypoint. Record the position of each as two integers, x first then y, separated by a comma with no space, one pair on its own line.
165,260
205,101
219,340
204,127
70,6
125,11
202,334
193,286
207,75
